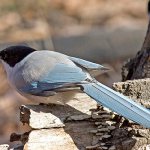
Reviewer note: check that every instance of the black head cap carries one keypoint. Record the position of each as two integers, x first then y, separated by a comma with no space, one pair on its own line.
14,54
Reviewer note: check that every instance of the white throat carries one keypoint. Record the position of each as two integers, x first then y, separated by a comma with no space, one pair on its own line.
8,69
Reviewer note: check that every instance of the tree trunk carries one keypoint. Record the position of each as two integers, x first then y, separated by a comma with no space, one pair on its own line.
139,67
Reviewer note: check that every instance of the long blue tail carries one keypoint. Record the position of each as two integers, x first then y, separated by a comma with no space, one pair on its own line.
118,103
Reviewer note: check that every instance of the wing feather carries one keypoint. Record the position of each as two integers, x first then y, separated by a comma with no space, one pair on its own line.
53,71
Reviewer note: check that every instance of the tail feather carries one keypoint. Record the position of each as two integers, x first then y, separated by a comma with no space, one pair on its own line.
118,103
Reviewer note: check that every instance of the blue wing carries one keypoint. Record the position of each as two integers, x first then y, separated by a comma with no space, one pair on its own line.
87,64
62,75
65,73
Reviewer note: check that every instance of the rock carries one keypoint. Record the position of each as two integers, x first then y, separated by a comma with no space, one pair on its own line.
49,140
48,116
93,131
102,112
99,134
112,148
139,141
103,130
100,126
102,144
138,90
39,117
101,123
97,123
110,122
106,116
92,147
106,136
104,123
148,147
142,133
111,127
104,148
78,117
128,144
95,140
94,116
4,147
75,131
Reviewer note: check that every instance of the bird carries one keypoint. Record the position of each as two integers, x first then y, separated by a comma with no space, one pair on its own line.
46,76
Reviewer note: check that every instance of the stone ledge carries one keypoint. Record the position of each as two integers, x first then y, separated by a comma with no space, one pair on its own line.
48,116
138,90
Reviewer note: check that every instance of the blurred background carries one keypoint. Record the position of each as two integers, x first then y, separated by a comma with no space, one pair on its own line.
103,31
